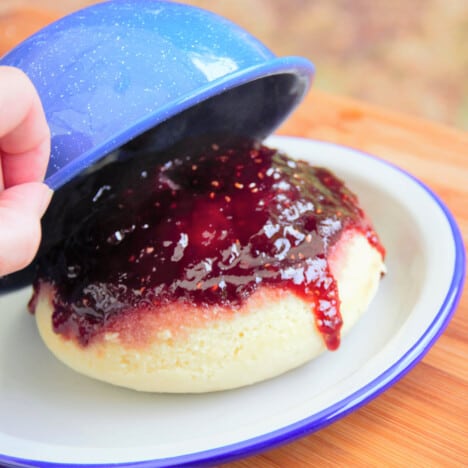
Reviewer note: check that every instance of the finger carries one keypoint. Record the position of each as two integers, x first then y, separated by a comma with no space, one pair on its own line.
21,208
24,133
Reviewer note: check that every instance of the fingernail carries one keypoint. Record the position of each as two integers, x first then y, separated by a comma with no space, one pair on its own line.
46,196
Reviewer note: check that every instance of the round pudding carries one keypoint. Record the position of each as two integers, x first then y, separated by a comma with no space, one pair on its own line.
204,270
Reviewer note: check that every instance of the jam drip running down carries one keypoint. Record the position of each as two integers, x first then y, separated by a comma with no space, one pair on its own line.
205,229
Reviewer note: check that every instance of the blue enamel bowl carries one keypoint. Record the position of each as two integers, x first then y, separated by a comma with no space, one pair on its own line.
148,72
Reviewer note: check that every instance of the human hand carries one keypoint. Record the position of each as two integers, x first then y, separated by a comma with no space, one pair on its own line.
24,154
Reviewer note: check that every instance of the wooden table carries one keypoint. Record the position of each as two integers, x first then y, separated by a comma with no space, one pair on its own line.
423,419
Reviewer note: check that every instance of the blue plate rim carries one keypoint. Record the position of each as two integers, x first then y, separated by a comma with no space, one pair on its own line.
341,408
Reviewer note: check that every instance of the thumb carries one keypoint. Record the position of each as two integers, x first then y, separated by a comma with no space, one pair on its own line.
21,208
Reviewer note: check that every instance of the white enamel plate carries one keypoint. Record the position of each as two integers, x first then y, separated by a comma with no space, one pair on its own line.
51,416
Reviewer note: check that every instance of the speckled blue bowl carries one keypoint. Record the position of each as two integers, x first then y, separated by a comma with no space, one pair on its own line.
120,69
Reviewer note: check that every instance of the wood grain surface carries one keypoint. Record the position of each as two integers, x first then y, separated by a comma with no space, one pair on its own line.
423,419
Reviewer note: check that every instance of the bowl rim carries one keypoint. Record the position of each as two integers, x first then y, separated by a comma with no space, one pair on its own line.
297,66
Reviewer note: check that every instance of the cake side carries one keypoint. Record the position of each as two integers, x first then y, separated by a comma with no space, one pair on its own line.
273,332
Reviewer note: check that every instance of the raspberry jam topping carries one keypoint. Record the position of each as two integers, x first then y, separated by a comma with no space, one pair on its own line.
204,229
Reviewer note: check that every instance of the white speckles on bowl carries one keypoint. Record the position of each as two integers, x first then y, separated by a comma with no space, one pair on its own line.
112,71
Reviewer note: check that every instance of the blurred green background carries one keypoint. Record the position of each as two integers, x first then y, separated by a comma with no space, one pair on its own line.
409,56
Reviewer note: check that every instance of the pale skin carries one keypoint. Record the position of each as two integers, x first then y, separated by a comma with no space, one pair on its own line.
24,154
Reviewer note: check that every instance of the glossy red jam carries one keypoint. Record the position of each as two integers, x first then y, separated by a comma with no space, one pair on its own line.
203,229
